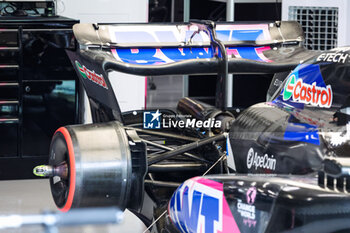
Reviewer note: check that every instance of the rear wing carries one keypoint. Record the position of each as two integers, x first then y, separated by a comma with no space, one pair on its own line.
194,48
160,49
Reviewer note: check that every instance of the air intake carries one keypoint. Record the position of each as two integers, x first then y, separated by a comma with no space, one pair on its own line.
320,25
325,23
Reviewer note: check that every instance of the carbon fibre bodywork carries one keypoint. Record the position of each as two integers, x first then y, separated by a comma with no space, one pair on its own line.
194,48
304,127
301,126
236,203
304,123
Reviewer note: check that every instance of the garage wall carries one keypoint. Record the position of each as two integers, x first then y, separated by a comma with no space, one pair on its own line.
129,89
104,11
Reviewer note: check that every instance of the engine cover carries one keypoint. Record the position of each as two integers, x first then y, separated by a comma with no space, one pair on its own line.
264,140
307,120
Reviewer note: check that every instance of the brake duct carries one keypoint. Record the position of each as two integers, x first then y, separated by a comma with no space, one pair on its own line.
105,164
95,165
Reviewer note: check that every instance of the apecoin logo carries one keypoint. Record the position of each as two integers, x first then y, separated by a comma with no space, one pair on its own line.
255,161
250,158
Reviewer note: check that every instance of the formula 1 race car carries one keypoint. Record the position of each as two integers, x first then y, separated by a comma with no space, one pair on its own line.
279,166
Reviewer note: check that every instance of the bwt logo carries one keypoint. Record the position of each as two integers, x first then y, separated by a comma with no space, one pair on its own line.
151,120
197,208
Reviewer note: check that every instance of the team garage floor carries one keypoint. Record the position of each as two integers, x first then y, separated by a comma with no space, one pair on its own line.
34,196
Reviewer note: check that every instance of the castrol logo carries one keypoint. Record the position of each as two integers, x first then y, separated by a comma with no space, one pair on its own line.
91,75
306,93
